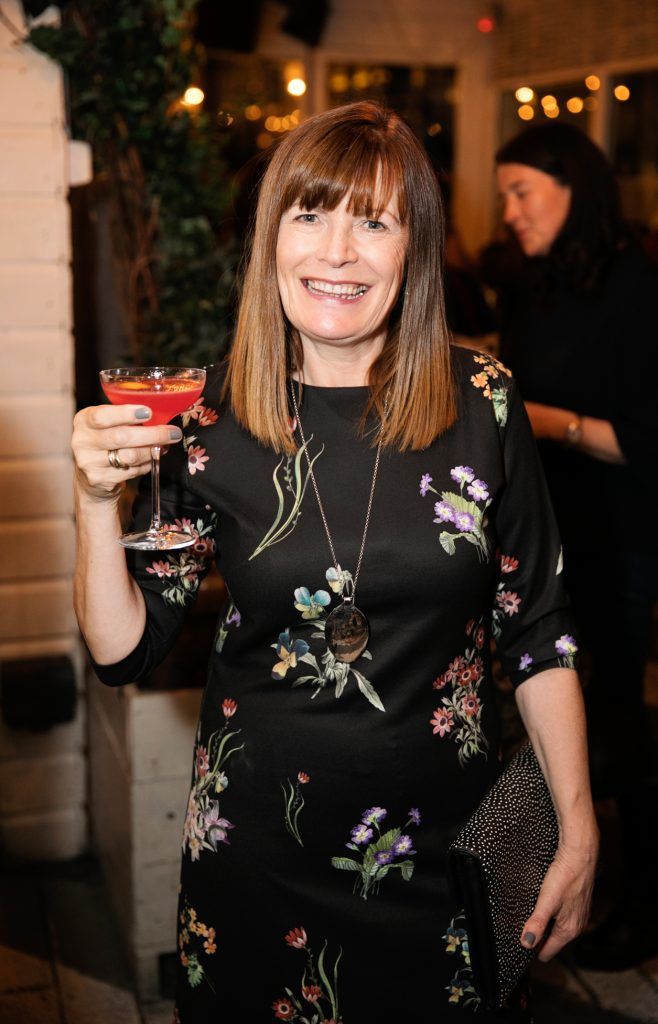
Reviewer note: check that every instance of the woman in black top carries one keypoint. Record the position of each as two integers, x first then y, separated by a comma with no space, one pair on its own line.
579,332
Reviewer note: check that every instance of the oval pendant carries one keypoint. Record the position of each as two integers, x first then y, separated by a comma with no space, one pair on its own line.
346,632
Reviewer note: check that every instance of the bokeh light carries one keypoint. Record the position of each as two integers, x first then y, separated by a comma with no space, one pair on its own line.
593,82
253,112
193,96
296,87
526,112
525,94
552,111
575,105
622,92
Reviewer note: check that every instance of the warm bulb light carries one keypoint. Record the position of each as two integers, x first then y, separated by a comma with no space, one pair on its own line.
485,25
622,92
193,96
525,94
575,105
593,82
253,112
552,111
548,101
296,87
526,112
434,129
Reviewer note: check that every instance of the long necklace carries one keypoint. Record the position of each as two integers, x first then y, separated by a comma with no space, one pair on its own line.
346,629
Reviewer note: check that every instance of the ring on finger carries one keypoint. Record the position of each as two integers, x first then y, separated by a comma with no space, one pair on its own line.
114,460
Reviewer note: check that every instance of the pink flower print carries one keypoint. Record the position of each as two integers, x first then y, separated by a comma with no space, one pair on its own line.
311,993
216,827
470,704
508,563
442,721
468,675
303,778
297,938
196,457
202,762
163,570
480,637
229,707
455,667
469,626
186,526
207,416
440,682
283,1009
508,601
193,412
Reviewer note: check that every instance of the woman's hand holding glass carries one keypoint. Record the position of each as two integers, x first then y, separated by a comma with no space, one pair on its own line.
124,429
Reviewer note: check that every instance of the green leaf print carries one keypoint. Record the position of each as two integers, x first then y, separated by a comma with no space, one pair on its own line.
447,543
345,864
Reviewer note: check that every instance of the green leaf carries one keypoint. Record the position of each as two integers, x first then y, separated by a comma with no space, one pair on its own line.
368,690
345,864
407,869
447,542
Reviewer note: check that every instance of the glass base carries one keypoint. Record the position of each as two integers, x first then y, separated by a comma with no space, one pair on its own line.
162,540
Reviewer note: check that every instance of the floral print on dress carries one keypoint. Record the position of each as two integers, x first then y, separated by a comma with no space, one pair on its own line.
232,617
183,572
196,942
296,476
318,994
291,651
489,377
293,804
380,852
460,713
461,984
204,826
507,602
461,514
567,648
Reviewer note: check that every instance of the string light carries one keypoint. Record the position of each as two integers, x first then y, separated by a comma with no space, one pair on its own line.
193,96
552,111
526,112
525,94
622,92
575,105
593,82
296,87
548,102
253,112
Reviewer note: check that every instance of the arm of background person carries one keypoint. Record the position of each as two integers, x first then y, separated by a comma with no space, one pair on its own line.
598,437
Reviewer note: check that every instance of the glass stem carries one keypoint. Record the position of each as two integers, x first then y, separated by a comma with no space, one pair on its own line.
155,490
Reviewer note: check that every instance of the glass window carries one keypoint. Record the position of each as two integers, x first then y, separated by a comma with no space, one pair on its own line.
424,96
634,145
531,104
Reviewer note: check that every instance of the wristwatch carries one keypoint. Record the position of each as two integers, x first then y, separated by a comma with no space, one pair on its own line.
574,432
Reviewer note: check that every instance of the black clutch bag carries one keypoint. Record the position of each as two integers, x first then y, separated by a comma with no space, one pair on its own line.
497,864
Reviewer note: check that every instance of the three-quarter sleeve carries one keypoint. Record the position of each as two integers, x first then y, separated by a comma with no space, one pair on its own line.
169,580
531,619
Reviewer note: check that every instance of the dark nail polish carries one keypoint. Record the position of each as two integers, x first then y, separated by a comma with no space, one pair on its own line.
175,433
529,939
142,414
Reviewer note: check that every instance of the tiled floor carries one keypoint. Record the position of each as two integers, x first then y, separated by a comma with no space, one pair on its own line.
61,963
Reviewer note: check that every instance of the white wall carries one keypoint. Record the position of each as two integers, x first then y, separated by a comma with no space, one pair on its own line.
42,776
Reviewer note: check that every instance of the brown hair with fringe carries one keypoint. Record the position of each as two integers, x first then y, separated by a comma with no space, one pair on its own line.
368,153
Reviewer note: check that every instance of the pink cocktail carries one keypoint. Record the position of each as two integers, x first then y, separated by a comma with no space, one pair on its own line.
167,391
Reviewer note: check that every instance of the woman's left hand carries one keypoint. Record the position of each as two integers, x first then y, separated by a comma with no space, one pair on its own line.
565,896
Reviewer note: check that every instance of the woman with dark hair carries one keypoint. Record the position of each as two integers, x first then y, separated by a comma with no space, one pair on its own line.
579,332
369,505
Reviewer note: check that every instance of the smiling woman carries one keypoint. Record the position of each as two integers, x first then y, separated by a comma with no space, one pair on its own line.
346,452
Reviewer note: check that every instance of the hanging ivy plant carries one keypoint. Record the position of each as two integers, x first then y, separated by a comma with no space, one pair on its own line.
127,65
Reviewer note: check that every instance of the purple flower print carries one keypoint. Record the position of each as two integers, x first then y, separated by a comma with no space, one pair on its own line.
374,815
234,618
464,522
217,827
414,815
478,490
384,857
425,482
362,834
403,845
566,646
525,662
462,474
444,512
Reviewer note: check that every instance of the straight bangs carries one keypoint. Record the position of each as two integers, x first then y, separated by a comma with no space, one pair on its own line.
353,163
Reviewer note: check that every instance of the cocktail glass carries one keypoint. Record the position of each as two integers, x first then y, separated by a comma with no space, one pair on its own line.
167,391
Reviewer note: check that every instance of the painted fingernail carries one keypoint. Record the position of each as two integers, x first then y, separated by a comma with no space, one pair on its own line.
529,939
175,433
143,413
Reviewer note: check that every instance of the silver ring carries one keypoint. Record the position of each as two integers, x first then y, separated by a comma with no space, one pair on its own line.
114,460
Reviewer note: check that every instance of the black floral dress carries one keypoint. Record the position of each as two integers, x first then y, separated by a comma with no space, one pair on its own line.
323,795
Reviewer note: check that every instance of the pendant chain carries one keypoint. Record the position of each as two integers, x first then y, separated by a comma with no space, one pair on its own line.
320,506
